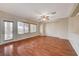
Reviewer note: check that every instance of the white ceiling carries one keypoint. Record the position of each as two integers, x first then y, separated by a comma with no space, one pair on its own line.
33,11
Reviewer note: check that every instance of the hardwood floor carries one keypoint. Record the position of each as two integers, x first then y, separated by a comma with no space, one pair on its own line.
38,46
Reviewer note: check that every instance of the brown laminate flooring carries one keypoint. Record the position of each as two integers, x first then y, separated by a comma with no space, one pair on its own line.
38,46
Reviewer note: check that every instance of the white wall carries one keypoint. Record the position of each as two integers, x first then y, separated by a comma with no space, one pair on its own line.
73,32
42,29
57,29
65,28
9,17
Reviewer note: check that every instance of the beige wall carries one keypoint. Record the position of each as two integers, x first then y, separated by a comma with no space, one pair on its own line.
58,28
9,17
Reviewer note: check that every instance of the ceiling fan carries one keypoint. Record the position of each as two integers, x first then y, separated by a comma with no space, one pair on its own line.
46,16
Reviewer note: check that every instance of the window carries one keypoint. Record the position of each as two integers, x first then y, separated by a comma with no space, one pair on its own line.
8,30
23,27
20,27
32,28
26,28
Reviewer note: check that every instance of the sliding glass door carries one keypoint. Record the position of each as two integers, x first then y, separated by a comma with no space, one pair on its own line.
8,30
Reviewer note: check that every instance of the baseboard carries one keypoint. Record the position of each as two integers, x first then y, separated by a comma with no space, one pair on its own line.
75,47
66,38
74,40
17,40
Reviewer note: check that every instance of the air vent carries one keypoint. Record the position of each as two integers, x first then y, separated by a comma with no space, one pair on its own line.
53,12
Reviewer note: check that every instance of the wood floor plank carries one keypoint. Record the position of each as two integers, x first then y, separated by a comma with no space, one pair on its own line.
38,46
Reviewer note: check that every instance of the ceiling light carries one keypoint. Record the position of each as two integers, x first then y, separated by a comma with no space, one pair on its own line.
44,18
77,14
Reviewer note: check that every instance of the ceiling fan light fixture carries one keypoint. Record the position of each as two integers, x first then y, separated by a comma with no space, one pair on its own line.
44,18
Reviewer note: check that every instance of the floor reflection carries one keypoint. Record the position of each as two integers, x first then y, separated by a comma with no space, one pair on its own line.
8,50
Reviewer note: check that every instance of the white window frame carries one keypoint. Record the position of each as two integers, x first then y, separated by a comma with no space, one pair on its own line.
26,28
33,28
6,35
20,27
23,25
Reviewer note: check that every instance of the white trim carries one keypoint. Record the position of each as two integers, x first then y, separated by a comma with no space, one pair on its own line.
75,47
74,40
